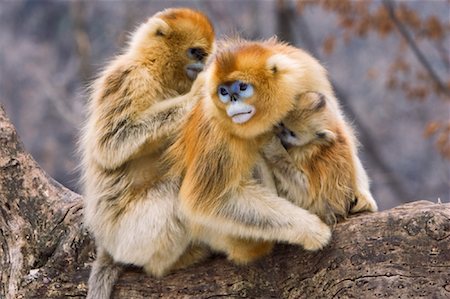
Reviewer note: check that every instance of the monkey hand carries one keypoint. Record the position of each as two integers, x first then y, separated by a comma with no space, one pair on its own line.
274,148
316,236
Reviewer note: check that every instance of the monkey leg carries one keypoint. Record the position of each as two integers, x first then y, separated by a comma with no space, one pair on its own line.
363,197
238,250
244,251
193,254
149,232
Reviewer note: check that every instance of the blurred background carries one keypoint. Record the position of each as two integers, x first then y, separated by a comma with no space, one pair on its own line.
388,61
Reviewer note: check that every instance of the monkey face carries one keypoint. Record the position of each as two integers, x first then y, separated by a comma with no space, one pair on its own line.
178,41
308,123
251,87
234,94
191,37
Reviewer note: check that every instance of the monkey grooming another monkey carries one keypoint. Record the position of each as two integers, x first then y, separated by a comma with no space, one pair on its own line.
133,112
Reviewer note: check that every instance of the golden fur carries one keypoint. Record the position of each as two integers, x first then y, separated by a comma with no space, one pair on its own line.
226,208
323,172
134,110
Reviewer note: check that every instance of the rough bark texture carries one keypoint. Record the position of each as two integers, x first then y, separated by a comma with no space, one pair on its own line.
44,253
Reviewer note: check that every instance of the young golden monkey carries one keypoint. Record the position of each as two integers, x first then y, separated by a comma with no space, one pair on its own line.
133,112
319,170
249,88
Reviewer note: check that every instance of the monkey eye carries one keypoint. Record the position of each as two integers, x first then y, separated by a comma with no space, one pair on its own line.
196,53
224,95
320,134
223,91
245,90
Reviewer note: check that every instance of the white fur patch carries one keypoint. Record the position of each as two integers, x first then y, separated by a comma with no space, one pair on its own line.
281,62
240,112
149,28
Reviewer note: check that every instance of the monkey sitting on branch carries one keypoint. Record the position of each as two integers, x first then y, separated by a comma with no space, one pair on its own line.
249,87
134,111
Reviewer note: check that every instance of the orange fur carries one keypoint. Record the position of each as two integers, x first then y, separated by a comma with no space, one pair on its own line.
320,173
329,173
216,157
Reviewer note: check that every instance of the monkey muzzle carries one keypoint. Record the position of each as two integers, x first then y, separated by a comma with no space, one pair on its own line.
193,69
287,137
240,112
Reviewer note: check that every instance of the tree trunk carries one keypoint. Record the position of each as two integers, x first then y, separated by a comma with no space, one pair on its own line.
45,253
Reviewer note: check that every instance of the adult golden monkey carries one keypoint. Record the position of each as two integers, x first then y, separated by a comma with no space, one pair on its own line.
249,87
133,112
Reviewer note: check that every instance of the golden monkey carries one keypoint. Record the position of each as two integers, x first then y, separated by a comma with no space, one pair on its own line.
133,112
319,170
249,88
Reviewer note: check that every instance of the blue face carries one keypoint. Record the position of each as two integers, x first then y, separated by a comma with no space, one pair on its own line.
234,95
237,91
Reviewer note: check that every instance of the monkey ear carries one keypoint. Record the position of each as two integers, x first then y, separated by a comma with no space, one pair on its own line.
279,63
312,100
158,27
154,27
326,135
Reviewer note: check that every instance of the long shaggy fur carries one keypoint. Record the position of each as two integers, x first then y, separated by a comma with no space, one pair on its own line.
323,172
104,273
227,209
134,110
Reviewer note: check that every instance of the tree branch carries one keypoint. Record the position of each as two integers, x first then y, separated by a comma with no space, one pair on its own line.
389,5
45,253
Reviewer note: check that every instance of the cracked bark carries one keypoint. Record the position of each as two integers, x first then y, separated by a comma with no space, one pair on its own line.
44,253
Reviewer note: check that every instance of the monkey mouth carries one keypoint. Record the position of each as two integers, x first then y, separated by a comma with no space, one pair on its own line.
242,117
193,69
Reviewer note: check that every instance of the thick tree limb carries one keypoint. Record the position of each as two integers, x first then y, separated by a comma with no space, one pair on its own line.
44,253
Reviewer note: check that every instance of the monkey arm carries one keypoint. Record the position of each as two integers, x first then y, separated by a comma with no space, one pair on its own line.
283,166
125,128
126,134
264,175
254,212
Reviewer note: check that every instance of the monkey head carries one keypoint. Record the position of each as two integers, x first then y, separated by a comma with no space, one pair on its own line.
250,87
308,123
177,41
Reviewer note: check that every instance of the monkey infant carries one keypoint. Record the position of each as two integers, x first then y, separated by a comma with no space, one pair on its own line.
129,209
249,87
319,170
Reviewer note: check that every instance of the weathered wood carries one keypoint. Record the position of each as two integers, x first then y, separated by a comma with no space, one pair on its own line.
44,253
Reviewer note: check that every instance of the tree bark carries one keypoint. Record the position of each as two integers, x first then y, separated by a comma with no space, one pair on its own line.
45,252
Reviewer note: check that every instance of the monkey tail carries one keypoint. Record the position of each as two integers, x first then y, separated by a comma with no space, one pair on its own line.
104,274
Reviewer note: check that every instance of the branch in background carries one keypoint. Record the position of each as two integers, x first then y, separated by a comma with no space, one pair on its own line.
389,5
78,15
443,52
55,94
287,18
284,16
